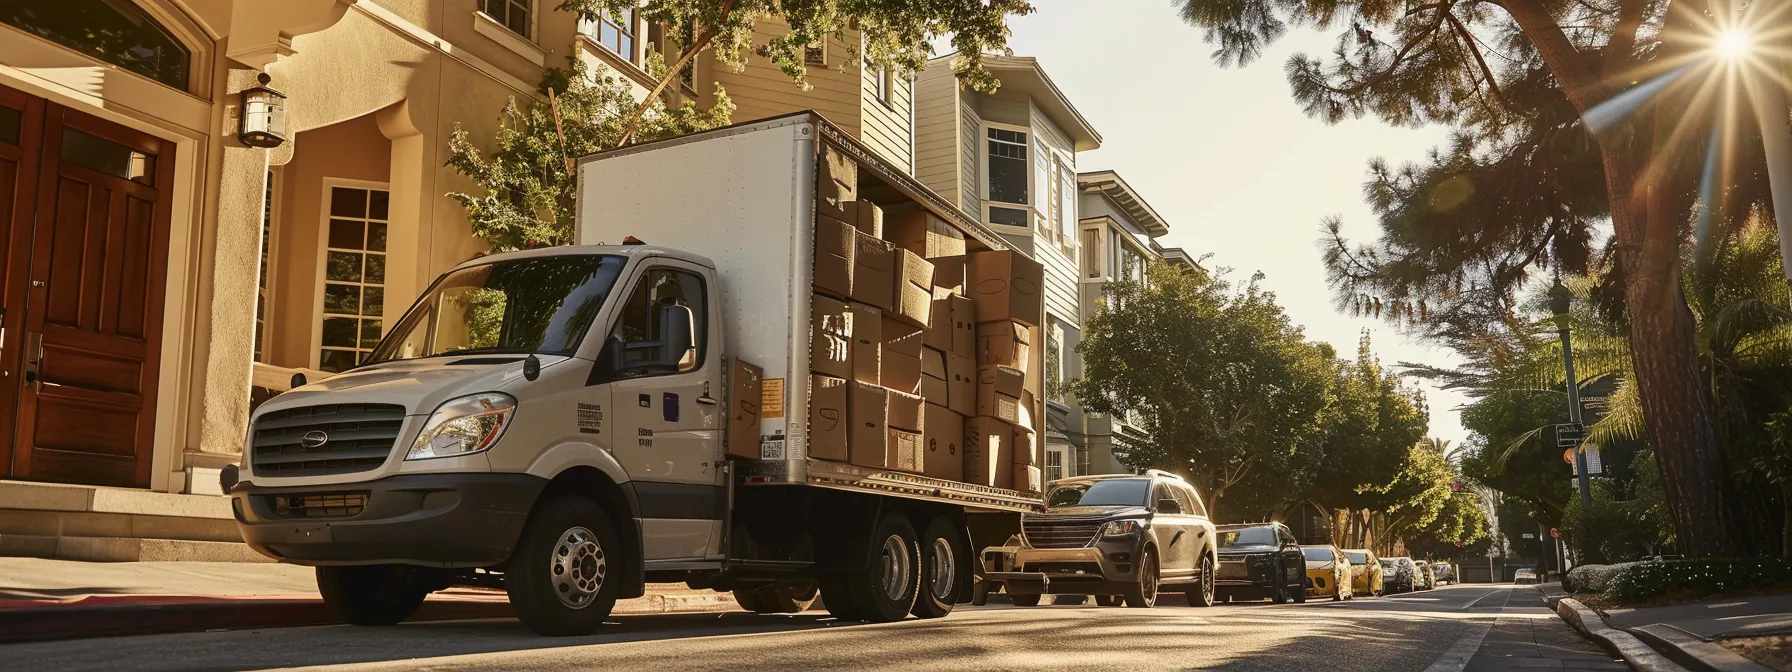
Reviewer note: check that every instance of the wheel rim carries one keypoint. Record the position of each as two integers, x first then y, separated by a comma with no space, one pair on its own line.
897,568
945,570
1207,580
577,568
1148,579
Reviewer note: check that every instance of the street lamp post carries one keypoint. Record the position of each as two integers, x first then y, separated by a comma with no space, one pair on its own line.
1560,299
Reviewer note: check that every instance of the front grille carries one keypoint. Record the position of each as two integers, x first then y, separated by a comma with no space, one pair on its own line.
325,505
1059,533
358,437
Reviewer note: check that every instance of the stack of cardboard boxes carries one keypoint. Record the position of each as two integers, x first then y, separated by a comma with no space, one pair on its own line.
919,352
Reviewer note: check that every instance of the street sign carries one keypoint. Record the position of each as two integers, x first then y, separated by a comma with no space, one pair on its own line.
1555,533
1528,535
1568,456
1569,435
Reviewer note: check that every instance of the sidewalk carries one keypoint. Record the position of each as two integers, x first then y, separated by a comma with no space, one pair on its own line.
1712,634
62,599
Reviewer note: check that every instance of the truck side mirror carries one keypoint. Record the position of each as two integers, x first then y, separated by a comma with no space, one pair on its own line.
1168,505
679,334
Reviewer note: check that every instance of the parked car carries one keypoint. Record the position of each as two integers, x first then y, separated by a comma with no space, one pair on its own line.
1328,572
1118,537
1524,575
1446,572
1400,575
1261,560
1427,577
1365,570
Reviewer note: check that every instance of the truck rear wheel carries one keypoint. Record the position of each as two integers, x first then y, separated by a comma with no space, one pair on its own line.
558,579
777,598
837,597
942,556
370,594
885,589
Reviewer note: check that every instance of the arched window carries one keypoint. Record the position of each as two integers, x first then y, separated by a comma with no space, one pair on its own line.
115,31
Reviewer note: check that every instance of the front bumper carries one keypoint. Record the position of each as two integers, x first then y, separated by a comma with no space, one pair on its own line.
1109,566
435,520
1248,573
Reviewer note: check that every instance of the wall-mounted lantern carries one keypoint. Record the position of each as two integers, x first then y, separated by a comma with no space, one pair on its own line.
264,116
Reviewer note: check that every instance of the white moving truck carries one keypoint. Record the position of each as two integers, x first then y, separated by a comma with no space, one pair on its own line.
557,421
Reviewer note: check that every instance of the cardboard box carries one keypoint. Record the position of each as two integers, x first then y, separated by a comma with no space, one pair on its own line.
1028,479
865,409
873,272
998,392
953,327
830,337
867,217
988,450
948,276
961,384
913,293
1026,447
834,251
904,412
942,442
1030,412
836,183
867,329
743,409
1004,344
905,451
900,368
934,389
827,418
1005,285
924,234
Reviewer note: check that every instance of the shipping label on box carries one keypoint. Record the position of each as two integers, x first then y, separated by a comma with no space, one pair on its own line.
867,345
830,337
743,409
934,389
836,183
1004,344
1005,285
866,408
943,441
913,297
900,368
961,384
867,217
904,412
873,272
905,452
988,450
835,246
828,427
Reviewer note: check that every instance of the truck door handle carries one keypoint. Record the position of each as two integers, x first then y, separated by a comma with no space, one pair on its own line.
706,400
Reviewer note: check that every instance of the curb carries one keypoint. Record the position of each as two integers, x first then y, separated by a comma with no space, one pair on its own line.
1632,650
1693,652
63,622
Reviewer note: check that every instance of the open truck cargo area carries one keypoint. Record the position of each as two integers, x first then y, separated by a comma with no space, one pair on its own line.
774,364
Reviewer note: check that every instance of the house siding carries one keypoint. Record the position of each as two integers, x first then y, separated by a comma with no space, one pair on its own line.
1061,291
936,133
761,90
970,145
889,129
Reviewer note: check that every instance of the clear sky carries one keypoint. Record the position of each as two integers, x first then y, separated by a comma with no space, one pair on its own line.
1227,156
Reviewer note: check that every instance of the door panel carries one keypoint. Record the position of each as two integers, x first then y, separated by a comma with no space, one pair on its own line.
98,257
21,133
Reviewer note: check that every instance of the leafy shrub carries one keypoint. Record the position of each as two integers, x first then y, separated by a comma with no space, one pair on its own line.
1646,580
1593,578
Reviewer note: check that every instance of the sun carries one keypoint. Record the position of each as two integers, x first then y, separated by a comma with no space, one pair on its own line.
1733,44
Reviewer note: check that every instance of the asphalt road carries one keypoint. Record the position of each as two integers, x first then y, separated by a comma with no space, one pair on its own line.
1477,628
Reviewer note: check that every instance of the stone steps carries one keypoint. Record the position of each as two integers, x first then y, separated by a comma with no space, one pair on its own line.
101,524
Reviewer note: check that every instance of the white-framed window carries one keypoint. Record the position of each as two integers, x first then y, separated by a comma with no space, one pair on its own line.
1057,461
513,14
1092,253
1007,176
885,85
352,284
818,54
615,33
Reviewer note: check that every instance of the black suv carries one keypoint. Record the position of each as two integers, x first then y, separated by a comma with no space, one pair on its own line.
1261,560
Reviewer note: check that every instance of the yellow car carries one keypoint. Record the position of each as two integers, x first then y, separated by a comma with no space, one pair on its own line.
1365,570
1328,572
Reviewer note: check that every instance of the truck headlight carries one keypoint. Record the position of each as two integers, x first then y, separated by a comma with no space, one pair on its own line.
1119,528
464,426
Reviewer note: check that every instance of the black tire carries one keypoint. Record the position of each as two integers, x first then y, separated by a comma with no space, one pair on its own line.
1278,593
777,598
836,596
1025,599
885,589
558,579
1300,592
1143,594
943,554
1109,600
370,594
1204,595
980,594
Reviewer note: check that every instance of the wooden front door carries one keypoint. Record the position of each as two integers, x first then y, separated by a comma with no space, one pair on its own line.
84,275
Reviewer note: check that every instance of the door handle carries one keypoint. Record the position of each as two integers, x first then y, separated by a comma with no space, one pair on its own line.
34,357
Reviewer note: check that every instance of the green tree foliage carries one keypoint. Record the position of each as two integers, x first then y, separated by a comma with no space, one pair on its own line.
1629,519
526,195
1367,435
1566,113
1416,494
1225,383
895,34
1459,530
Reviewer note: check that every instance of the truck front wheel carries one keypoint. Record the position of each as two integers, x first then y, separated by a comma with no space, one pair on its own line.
885,588
942,555
559,577
371,594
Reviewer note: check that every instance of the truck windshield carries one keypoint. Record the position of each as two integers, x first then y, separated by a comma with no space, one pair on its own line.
1117,492
530,305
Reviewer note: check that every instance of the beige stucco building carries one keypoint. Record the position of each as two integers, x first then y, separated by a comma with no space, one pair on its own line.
158,269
